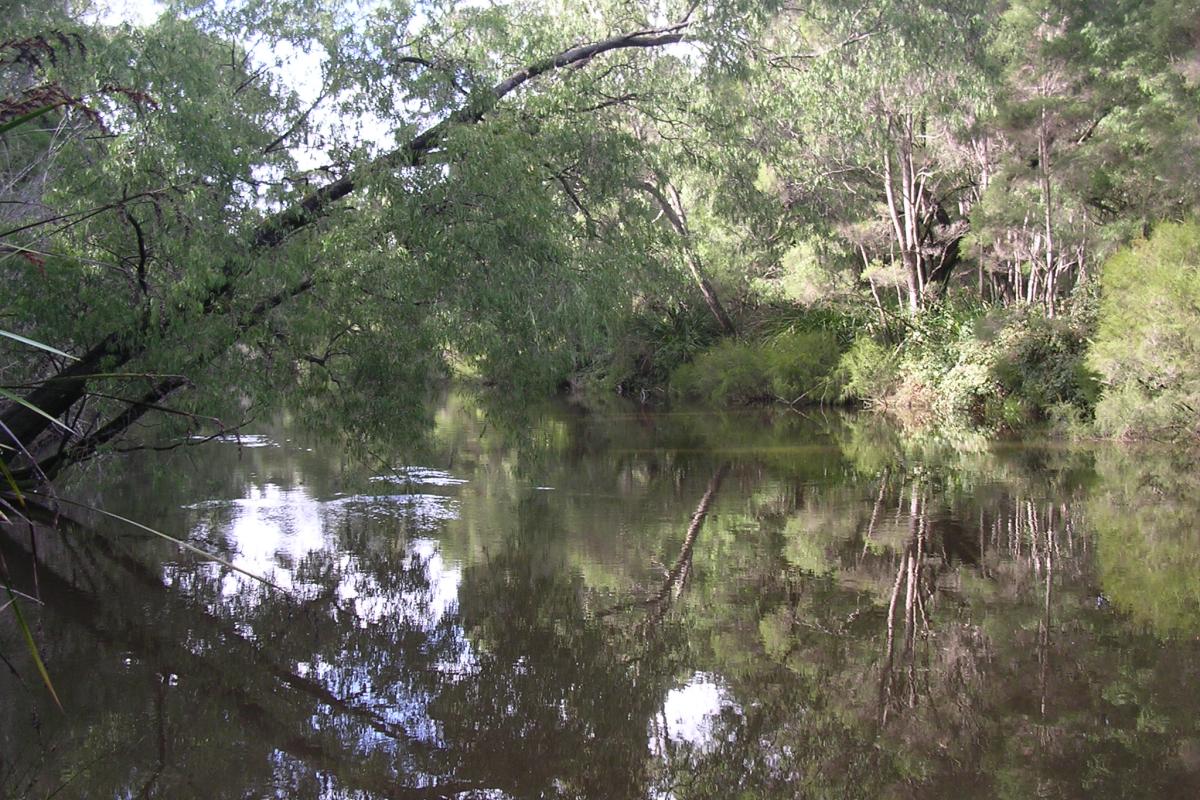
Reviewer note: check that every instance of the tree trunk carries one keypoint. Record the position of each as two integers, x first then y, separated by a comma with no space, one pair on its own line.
678,221
1044,169
912,279
59,393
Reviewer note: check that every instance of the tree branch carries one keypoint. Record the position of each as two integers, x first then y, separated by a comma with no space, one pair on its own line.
120,347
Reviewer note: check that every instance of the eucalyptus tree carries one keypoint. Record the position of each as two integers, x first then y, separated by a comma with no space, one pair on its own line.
865,116
181,245
677,149
1031,135
1094,137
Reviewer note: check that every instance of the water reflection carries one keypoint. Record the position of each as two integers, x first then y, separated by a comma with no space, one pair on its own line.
704,606
689,713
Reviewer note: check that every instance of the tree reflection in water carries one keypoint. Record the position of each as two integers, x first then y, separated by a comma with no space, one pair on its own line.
701,607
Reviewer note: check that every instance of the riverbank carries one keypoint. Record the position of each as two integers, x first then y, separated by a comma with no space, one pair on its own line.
988,367
1115,359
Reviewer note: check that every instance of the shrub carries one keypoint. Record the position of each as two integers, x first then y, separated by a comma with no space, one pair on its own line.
730,372
1001,368
792,366
842,321
949,364
801,365
1042,361
649,347
1068,420
869,371
1147,344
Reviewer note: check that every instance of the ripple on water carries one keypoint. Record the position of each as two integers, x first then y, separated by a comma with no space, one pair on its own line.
427,476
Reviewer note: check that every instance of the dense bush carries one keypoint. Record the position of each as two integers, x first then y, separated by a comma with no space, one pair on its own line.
801,365
940,368
732,371
870,371
1147,344
844,321
947,357
958,361
794,366
1000,368
1042,360
648,348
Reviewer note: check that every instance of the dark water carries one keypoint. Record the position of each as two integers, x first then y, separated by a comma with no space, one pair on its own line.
619,605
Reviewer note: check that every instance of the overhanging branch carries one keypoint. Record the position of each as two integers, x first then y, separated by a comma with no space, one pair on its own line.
120,347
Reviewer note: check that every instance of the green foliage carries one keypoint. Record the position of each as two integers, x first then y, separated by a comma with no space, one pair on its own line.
792,367
946,367
801,366
809,272
518,244
732,371
870,371
1147,345
843,321
1042,361
1000,368
509,242
647,347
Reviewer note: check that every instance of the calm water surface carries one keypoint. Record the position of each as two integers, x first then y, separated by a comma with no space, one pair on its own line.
619,605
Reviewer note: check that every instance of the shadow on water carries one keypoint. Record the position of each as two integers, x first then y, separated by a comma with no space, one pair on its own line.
620,605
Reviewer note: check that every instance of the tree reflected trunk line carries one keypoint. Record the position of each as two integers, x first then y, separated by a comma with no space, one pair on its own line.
1036,543
1044,626
1017,535
677,576
870,535
912,579
885,682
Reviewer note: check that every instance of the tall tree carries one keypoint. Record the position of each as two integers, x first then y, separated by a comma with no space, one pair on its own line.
184,246
1093,107
867,110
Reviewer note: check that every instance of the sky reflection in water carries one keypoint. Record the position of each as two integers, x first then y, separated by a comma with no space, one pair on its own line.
705,606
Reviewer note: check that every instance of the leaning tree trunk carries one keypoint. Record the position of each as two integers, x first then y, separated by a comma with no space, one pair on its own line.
678,220
56,395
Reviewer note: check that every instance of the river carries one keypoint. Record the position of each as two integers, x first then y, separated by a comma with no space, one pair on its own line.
617,604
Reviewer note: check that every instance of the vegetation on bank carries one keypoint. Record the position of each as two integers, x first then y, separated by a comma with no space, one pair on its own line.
1147,343
963,363
1126,365
914,207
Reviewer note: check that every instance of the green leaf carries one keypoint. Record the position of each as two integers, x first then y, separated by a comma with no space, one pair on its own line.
12,482
38,345
33,651
7,395
32,115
